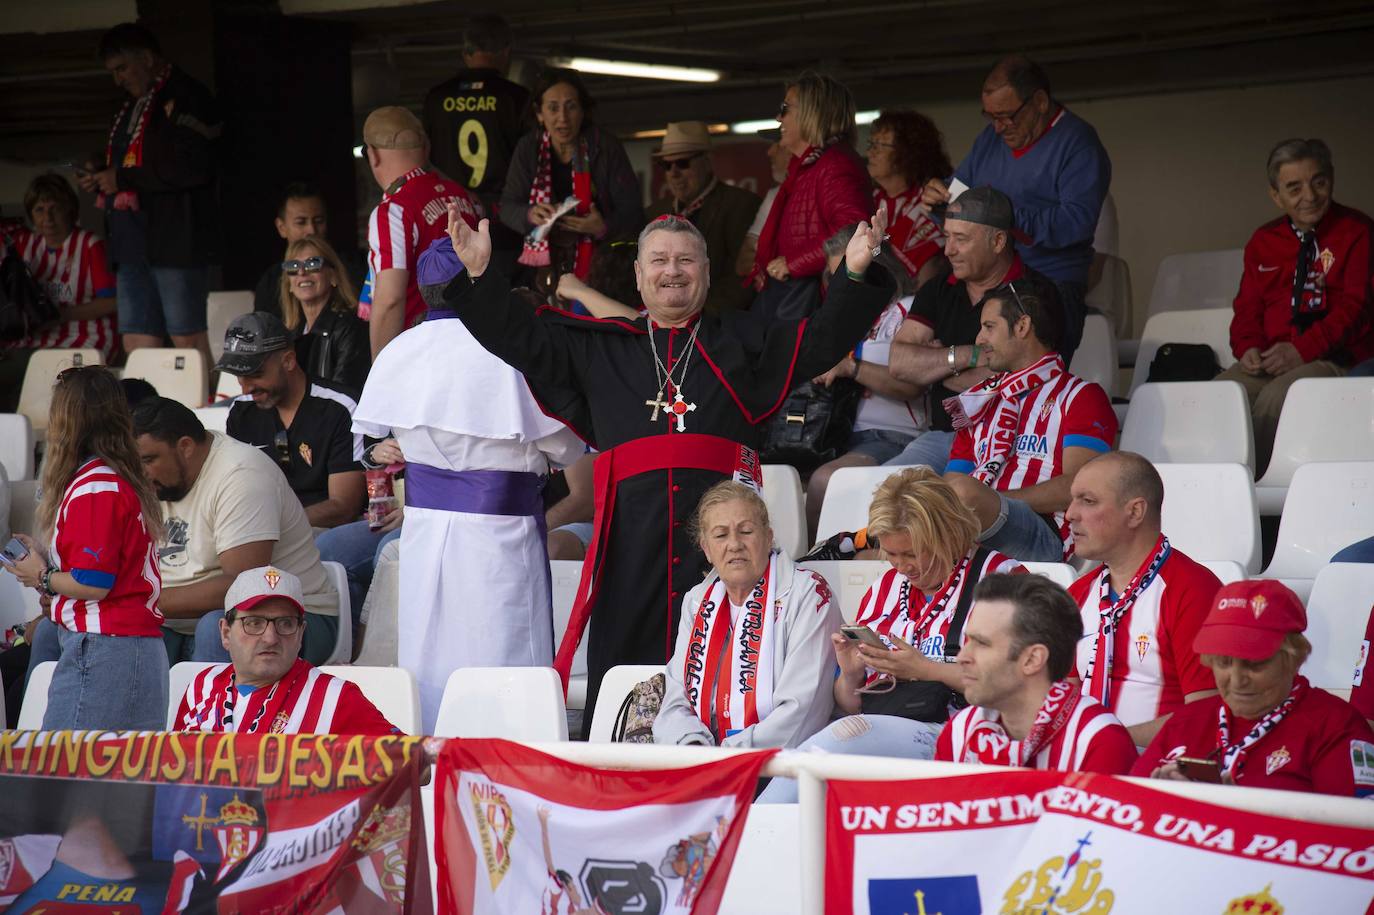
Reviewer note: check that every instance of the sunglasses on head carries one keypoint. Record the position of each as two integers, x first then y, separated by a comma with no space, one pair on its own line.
308,265
680,164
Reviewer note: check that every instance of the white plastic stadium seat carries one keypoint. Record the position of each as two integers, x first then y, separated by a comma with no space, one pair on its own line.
1337,613
1095,358
1225,569
16,446
220,309
392,690
343,643
1202,279
228,387
847,497
180,374
1061,573
849,580
44,366
214,419
615,686
1209,325
1323,419
770,846
36,697
516,703
1203,422
1210,513
179,677
786,501
565,574
1330,506
1111,294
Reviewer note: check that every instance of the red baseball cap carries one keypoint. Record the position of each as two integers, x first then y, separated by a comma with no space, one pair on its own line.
1249,620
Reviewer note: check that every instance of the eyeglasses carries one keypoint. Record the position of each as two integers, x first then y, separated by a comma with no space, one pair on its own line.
669,165
309,265
257,625
874,144
782,109
282,443
1005,119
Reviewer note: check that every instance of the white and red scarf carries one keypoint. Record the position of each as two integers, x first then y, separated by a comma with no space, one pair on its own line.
996,404
697,202
259,710
536,253
1113,612
133,154
1233,754
988,742
736,684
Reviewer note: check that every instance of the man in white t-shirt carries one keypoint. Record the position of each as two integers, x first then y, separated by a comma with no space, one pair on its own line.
226,508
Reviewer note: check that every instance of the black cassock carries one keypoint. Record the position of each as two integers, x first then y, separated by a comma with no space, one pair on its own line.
596,376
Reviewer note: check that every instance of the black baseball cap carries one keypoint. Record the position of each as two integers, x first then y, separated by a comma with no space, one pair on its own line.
985,206
250,339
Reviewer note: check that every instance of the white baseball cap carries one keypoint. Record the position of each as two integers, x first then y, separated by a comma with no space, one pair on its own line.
254,586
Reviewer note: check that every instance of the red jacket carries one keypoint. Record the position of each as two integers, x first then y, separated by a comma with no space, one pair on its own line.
830,193
1263,308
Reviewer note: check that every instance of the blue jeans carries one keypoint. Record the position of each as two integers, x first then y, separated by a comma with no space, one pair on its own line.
1022,534
1363,370
862,735
881,445
929,448
321,632
355,547
106,682
161,300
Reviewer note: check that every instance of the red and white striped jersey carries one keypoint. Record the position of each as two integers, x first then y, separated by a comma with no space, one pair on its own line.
1092,740
100,539
1153,662
72,274
412,214
913,236
304,701
1064,412
881,607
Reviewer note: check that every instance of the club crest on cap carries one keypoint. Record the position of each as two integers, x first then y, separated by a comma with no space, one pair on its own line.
1257,605
272,577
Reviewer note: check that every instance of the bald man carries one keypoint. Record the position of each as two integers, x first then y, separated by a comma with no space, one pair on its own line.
1144,603
412,215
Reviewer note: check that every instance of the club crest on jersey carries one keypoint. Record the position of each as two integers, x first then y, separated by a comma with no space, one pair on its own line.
1257,605
279,723
1142,645
1046,408
272,577
306,454
1061,884
496,826
1277,760
1327,259
238,835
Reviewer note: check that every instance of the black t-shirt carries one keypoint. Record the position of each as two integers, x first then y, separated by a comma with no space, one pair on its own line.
474,121
319,442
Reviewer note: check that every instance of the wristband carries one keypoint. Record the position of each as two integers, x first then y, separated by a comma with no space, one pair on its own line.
973,356
856,277
858,350
46,582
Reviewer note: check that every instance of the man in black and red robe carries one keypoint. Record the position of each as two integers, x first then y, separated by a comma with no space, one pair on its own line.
673,402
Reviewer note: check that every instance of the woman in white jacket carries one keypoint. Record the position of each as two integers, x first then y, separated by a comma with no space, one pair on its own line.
754,662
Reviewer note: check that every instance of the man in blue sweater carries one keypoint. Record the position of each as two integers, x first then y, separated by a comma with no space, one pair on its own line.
1056,172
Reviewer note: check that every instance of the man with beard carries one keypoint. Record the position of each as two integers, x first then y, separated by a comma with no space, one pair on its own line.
227,510
300,423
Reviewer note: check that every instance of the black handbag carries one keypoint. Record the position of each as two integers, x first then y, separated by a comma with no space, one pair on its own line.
926,700
813,425
24,305
1183,362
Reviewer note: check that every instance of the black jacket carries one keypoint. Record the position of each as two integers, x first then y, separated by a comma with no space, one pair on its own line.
176,182
615,187
337,350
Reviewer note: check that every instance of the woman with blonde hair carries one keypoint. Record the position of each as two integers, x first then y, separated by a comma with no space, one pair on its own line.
898,681
319,307
754,658
95,562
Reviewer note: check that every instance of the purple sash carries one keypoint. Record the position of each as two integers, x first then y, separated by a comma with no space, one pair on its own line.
476,492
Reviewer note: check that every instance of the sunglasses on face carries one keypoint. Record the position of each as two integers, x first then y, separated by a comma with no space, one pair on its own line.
309,265
257,625
783,109
283,447
669,165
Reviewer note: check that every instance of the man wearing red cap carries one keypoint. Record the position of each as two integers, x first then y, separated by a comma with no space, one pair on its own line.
267,689
1269,727
1143,604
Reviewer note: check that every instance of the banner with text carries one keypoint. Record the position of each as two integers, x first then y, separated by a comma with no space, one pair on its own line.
156,823
1058,843
522,831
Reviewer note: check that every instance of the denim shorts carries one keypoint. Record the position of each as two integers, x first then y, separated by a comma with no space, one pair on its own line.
582,530
879,444
161,300
929,448
1022,534
107,682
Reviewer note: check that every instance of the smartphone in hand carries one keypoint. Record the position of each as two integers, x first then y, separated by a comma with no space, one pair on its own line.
862,634
13,551
1200,770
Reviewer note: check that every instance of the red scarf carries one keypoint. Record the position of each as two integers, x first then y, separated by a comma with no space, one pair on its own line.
999,396
768,238
133,155
1233,754
536,253
1113,613
989,743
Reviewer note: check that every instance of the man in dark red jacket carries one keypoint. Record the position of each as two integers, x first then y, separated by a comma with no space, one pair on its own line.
1303,309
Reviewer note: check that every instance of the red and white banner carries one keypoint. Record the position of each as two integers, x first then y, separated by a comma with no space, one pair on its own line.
1059,843
519,831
